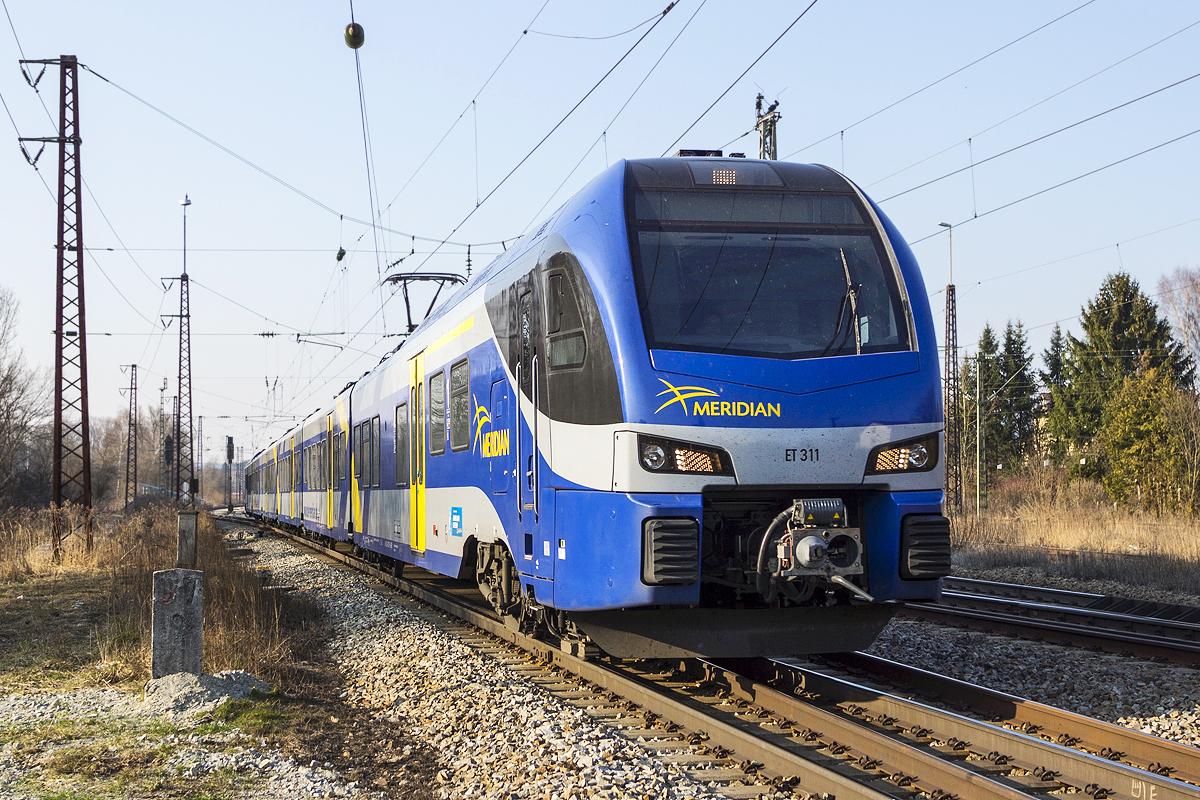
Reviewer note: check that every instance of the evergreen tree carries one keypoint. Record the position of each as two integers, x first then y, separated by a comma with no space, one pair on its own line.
1143,464
1123,335
981,379
1054,357
1015,399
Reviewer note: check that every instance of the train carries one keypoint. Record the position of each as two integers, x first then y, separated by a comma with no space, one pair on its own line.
696,412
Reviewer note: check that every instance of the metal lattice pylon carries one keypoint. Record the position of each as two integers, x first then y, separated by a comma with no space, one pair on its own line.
131,442
185,472
72,479
953,407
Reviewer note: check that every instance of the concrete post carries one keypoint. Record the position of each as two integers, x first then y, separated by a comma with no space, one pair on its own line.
176,643
186,559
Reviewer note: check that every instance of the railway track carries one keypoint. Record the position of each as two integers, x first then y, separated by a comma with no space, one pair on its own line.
1156,631
759,725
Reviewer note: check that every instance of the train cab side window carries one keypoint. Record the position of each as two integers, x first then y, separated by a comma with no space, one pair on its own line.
437,413
401,441
564,323
460,405
376,465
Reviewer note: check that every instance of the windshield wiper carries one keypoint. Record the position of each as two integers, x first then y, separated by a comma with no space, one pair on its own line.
849,301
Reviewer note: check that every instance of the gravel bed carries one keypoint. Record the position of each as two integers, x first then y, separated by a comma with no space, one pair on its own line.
495,733
1160,699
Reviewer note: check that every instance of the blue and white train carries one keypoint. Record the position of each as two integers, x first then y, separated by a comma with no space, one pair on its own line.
698,411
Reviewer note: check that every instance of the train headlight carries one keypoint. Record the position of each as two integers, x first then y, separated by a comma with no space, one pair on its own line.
667,455
911,455
653,456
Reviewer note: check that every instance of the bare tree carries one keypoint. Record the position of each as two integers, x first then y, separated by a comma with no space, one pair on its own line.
1181,410
24,405
1180,293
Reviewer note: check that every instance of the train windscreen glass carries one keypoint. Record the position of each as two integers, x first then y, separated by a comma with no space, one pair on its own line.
771,275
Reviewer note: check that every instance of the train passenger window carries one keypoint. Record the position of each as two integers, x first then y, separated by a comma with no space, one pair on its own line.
376,465
437,413
460,406
338,466
368,468
342,438
402,444
357,457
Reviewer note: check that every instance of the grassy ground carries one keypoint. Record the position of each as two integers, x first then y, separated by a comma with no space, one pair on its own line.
85,623
1032,518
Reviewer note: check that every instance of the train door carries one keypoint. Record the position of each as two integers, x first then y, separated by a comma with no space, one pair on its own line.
537,522
416,438
495,448
329,466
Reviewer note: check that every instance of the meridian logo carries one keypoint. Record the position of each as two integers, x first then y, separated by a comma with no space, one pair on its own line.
492,443
481,418
680,396
714,408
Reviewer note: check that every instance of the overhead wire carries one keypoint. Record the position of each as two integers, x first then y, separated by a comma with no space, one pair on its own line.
511,172
739,77
594,38
1061,184
87,187
1040,138
946,77
974,284
1035,105
462,114
557,125
604,133
11,119
263,171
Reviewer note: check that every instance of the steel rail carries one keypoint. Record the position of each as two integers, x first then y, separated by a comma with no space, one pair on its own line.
1067,634
1171,622
833,754
1142,750
1049,763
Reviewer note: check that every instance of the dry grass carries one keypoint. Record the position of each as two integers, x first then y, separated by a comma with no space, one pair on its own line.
87,619
1036,515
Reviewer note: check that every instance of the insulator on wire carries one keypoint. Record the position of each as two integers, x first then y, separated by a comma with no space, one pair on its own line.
341,253
355,36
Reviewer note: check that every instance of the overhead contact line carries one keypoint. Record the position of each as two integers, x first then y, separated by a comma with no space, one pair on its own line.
1060,185
939,80
1040,138
739,77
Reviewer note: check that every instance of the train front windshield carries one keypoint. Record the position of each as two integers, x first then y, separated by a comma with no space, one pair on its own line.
767,274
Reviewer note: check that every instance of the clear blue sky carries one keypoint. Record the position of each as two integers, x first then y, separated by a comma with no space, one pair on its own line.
276,84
